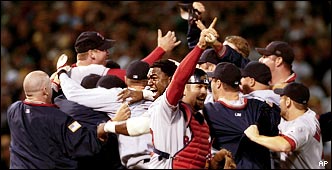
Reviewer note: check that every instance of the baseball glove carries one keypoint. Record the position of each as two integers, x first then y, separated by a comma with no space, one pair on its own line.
223,159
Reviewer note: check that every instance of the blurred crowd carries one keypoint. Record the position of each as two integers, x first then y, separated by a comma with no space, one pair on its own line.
35,33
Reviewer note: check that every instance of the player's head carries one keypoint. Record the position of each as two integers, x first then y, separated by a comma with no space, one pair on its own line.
276,54
195,90
255,76
90,81
160,75
136,75
208,60
110,81
37,86
293,94
92,47
225,78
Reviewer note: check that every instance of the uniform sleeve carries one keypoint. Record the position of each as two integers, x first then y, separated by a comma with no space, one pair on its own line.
100,99
297,135
180,78
231,55
155,55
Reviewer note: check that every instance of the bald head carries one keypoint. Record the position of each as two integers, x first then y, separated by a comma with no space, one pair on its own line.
37,86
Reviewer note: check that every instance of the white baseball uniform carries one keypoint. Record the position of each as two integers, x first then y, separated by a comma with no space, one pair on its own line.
304,135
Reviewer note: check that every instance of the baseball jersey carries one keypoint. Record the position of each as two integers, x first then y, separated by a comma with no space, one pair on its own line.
227,122
304,136
43,137
134,149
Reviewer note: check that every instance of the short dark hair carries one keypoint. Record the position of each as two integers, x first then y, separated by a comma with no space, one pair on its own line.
166,66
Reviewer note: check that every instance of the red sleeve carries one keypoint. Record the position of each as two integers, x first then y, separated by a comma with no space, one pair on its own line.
290,141
186,68
121,73
155,55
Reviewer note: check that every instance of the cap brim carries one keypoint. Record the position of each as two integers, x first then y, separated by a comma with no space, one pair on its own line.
263,51
279,91
108,43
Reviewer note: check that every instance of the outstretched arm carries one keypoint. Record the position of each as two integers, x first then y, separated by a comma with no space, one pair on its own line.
186,68
275,143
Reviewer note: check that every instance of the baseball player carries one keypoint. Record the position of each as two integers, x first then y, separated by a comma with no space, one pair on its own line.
180,133
42,136
231,114
255,83
299,139
278,56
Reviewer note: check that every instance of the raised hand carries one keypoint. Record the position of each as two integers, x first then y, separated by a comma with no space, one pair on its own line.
167,42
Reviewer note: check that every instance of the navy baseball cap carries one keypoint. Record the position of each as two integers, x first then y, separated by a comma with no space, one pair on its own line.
90,81
228,73
278,48
110,81
296,91
258,71
199,77
209,55
90,40
138,70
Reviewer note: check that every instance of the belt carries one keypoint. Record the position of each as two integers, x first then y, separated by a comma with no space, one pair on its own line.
161,154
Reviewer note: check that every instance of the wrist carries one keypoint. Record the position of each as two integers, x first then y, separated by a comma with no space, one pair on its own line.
61,71
109,127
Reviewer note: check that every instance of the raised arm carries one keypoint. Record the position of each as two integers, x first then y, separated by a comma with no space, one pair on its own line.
186,68
165,43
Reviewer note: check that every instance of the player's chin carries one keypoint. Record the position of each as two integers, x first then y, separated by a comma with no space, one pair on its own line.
200,103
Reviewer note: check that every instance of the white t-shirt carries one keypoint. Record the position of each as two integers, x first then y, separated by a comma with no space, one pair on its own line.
79,72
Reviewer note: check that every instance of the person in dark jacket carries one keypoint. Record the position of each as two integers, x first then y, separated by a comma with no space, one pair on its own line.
44,137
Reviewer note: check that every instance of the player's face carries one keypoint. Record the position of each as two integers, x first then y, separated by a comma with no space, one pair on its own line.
269,61
99,57
283,107
157,81
195,95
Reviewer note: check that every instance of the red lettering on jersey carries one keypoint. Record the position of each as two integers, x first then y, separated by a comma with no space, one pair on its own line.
317,133
151,131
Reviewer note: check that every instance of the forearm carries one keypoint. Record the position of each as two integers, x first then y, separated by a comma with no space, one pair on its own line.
276,143
87,97
131,127
181,75
155,55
